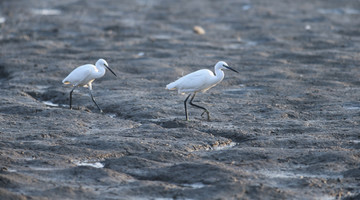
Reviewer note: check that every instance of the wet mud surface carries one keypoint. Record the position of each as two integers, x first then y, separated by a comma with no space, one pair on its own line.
285,127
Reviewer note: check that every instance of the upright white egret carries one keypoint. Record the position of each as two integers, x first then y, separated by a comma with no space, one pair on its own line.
199,81
85,75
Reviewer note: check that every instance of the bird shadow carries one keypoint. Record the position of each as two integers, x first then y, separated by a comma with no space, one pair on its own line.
176,123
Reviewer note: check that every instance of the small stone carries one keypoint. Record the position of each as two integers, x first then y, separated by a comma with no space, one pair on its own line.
199,30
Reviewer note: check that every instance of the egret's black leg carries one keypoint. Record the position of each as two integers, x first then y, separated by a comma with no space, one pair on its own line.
186,112
92,98
205,110
71,97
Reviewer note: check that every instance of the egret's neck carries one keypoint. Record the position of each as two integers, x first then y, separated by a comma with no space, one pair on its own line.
219,75
100,71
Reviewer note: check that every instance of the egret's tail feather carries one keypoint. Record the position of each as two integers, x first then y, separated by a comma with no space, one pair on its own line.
171,86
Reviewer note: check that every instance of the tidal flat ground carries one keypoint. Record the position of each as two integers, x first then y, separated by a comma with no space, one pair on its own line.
285,127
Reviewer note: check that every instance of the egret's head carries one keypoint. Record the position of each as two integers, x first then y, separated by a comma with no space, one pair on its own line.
102,62
224,65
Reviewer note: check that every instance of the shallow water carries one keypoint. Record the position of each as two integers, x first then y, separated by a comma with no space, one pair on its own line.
194,185
51,104
89,164
46,12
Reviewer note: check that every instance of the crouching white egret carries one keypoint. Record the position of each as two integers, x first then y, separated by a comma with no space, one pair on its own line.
84,75
199,81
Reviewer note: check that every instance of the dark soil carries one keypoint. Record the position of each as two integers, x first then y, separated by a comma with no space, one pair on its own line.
285,127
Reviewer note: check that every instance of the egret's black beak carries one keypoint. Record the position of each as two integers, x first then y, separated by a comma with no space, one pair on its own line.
230,68
110,69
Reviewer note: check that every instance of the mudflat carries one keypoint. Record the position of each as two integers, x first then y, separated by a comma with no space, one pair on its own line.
285,127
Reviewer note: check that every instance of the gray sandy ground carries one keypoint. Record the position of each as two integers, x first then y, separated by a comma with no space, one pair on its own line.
286,127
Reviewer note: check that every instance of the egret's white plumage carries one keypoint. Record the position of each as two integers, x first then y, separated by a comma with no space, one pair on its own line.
199,81
84,75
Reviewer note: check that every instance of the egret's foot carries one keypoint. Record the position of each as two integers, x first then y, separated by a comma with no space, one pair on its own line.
207,113
101,111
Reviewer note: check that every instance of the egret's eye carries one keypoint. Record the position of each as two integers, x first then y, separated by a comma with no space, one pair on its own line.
225,66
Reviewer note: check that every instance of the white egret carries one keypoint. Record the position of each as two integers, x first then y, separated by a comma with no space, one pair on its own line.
199,81
84,75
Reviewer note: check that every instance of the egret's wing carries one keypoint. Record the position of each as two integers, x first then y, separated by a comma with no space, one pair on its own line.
195,81
79,76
